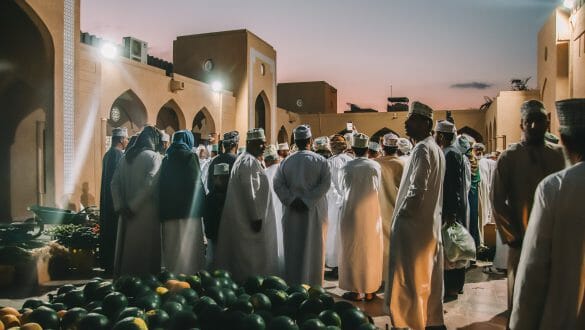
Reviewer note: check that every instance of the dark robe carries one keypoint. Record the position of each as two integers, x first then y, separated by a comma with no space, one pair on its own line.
108,217
215,200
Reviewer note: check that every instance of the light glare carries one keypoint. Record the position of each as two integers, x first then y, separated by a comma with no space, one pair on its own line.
216,86
569,4
109,50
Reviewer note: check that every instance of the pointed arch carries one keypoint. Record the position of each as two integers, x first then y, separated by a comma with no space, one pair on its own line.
170,118
128,111
203,125
262,112
471,132
282,135
378,135
27,95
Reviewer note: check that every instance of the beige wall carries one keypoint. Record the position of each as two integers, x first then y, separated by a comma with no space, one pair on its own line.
503,118
317,97
102,81
577,54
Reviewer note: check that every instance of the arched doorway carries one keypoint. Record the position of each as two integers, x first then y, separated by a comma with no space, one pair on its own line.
262,112
282,135
26,101
377,137
471,132
127,111
203,126
170,118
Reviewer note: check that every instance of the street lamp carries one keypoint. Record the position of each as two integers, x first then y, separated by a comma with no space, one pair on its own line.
109,50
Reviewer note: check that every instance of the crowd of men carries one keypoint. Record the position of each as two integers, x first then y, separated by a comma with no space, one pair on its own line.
377,213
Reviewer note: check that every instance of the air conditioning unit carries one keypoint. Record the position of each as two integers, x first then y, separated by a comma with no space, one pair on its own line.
135,49
177,85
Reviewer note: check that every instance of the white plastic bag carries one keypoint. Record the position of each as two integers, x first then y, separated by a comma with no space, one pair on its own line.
457,243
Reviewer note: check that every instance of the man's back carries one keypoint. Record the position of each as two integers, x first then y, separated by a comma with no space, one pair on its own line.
518,172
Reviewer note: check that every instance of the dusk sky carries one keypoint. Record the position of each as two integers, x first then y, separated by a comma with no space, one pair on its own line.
446,53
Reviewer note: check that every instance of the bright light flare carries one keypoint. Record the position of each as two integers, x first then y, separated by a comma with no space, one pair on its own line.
216,86
109,50
569,4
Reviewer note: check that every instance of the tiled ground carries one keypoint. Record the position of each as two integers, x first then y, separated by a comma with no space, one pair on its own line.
481,306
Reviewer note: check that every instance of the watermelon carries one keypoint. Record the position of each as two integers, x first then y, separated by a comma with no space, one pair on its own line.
93,321
298,288
157,319
243,306
253,284
315,291
130,323
282,323
295,300
131,312
172,308
65,288
260,302
275,283
102,290
44,316
202,303
340,306
313,324
253,322
151,281
277,298
210,317
90,288
114,303
195,283
147,301
190,295
216,294
327,300
72,317
166,275
32,303
222,273
311,306
352,319
230,296
174,297
93,305
330,317
266,315
184,320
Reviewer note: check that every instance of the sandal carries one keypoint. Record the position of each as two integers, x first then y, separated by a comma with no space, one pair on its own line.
353,296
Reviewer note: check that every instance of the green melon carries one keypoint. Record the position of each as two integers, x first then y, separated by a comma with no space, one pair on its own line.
93,321
172,308
102,290
298,288
166,275
230,297
130,323
275,283
260,302
90,288
190,295
282,323
253,322
253,284
216,294
311,306
131,312
243,306
147,301
44,316
313,324
352,319
65,288
315,291
114,303
184,320
157,319
202,303
72,317
32,303
330,317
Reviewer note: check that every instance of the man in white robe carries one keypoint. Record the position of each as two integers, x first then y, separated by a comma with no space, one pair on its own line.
360,225
335,201
301,182
272,162
247,231
138,243
549,292
392,168
414,292
518,171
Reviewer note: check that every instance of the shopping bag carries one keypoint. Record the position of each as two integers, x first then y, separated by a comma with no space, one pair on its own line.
457,243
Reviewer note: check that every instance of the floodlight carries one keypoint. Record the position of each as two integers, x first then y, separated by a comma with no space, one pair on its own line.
109,50
216,86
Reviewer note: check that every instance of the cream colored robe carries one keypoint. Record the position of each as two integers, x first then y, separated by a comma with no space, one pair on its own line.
391,169
414,293
304,175
360,227
334,203
138,246
549,292
241,250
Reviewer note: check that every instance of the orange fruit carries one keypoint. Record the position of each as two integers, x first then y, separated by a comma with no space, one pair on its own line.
10,320
9,311
31,326
171,283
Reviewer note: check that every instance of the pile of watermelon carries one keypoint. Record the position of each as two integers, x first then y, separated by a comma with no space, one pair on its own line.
203,301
